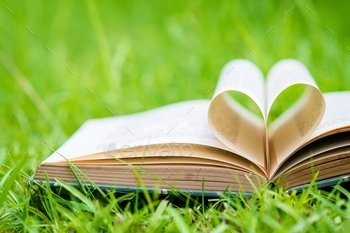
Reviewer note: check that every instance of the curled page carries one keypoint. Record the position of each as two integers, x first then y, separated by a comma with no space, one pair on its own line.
297,124
236,127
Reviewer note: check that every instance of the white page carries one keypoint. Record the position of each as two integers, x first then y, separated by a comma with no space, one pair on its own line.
313,149
236,127
245,77
297,124
284,74
337,114
183,122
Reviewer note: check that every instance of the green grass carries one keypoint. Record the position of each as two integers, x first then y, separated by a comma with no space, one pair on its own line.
139,55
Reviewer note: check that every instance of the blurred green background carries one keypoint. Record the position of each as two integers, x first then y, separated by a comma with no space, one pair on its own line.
137,55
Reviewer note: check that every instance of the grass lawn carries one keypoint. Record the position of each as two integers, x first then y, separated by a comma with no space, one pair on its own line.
62,63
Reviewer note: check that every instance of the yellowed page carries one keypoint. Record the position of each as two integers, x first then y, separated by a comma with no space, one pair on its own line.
180,123
236,127
297,124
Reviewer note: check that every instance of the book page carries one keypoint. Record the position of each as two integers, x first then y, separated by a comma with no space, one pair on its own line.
330,133
297,124
178,123
284,74
158,154
312,150
328,164
337,114
232,124
243,76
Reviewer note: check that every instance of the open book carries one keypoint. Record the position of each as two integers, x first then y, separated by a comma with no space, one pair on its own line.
216,145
